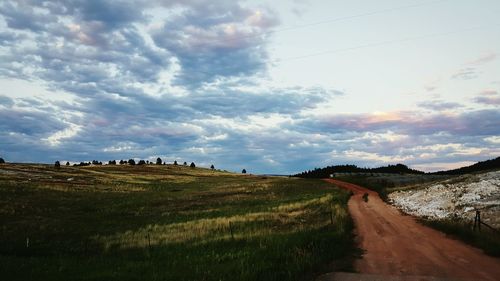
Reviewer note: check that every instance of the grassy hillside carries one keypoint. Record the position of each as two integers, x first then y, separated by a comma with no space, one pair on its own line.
166,223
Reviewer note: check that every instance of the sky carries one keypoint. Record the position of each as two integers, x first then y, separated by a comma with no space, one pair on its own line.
274,87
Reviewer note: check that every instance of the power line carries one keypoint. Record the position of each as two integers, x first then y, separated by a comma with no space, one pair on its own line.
332,20
369,45
382,43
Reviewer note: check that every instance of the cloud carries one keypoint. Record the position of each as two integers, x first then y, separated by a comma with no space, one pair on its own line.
209,44
488,97
439,105
467,73
186,80
486,58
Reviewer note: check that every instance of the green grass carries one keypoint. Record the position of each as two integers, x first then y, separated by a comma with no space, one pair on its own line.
486,239
168,223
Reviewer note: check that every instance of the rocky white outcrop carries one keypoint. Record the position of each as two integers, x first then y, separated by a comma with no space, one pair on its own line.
454,198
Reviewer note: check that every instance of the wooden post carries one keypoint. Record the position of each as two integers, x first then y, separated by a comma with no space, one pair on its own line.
27,242
478,214
477,221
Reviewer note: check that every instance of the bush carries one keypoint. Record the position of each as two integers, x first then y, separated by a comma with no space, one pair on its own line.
243,171
175,162
57,164
192,165
141,162
2,161
212,167
131,162
158,161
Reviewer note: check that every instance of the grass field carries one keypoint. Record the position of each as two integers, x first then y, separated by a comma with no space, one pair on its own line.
167,223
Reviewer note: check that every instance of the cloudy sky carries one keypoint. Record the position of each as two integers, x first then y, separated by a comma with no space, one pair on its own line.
270,86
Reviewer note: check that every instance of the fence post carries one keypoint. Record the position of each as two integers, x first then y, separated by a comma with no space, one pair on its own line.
478,213
27,242
477,221
331,213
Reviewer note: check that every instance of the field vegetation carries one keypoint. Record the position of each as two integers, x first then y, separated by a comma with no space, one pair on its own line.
166,222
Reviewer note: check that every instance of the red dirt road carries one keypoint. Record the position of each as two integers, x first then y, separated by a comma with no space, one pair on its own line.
395,244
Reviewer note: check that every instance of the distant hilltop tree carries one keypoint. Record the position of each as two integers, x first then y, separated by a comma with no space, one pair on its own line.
2,161
243,171
158,161
141,162
67,163
122,162
175,162
131,162
329,170
192,165
212,167
112,162
185,163
57,164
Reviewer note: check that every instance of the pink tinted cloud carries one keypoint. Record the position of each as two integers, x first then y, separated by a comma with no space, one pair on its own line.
488,97
417,123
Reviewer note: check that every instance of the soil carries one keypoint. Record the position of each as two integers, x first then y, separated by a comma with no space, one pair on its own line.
397,245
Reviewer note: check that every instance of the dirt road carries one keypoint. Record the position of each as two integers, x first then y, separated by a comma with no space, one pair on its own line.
395,244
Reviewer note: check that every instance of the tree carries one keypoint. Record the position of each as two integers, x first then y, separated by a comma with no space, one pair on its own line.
185,163
158,161
243,171
212,167
2,161
141,162
112,162
192,165
57,164
131,162
122,162
175,162
67,163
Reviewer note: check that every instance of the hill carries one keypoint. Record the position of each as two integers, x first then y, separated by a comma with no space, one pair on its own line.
165,222
327,171
478,167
